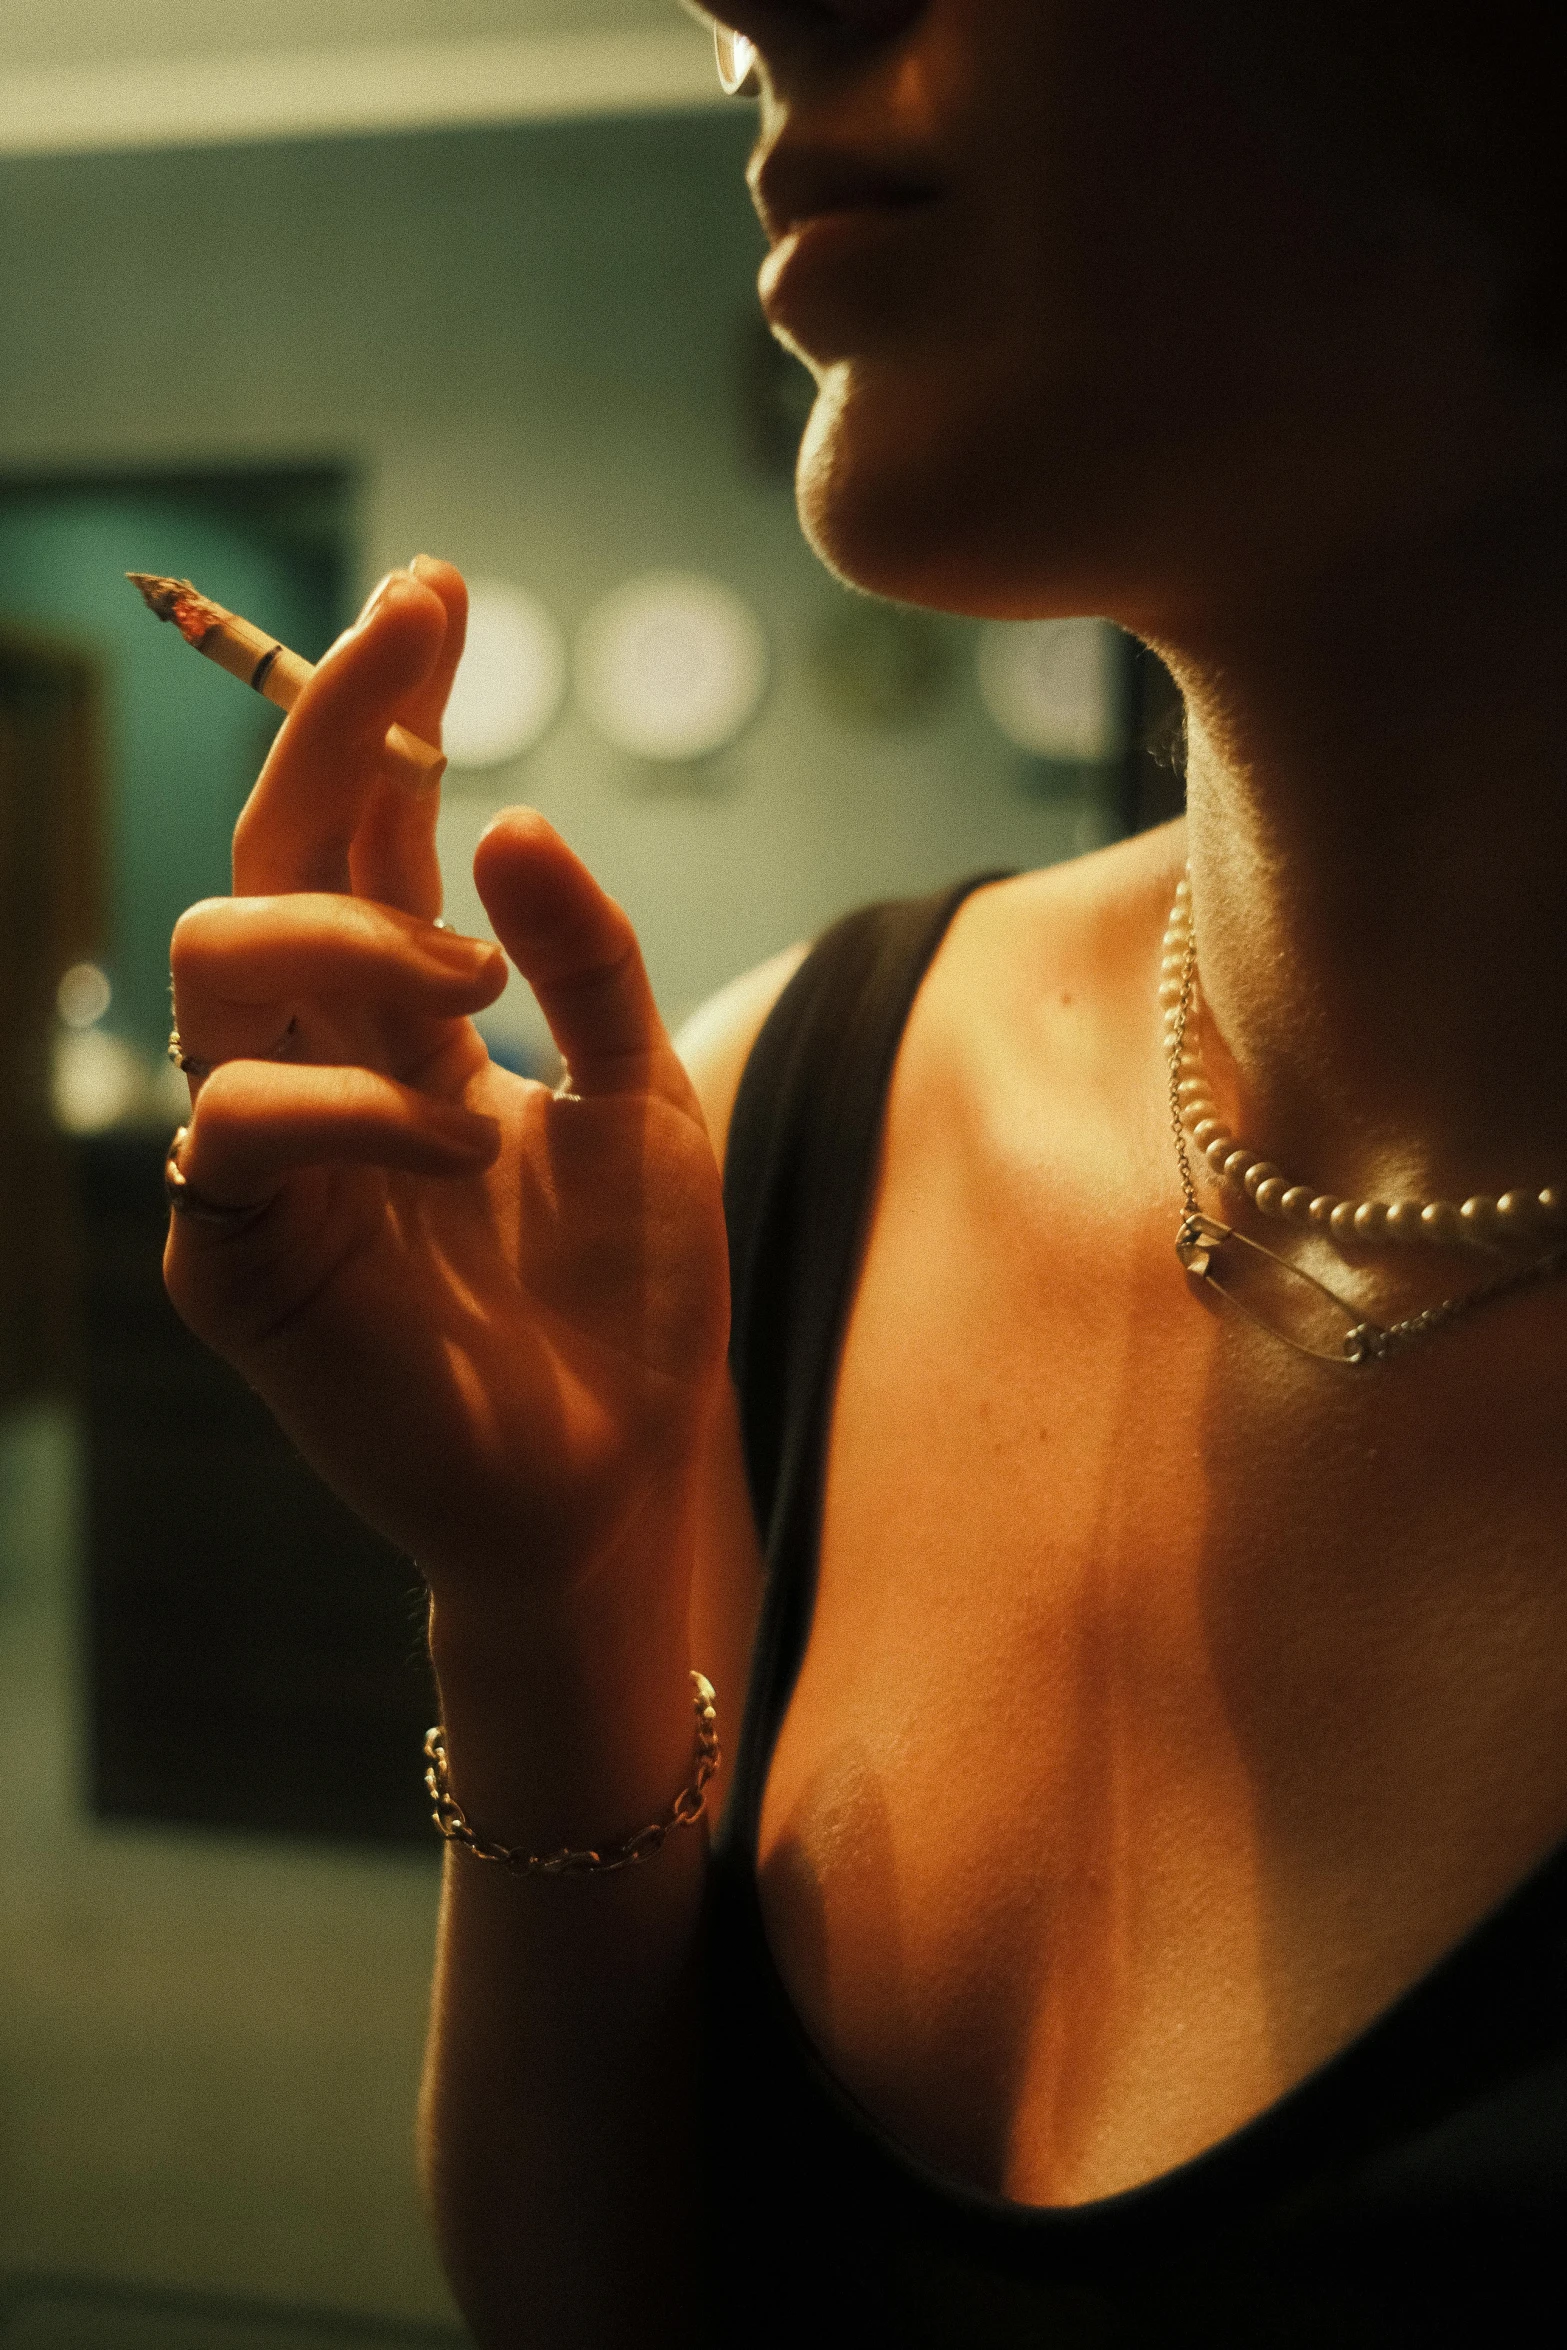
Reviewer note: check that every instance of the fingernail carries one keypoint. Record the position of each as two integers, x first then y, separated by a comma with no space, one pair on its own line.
374,598
363,617
377,598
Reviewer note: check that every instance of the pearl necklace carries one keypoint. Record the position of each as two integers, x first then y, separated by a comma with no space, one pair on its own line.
1249,1276
1516,1218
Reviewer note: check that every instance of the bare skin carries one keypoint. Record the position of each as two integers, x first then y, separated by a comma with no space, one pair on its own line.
1170,1704
1100,1818
1276,1685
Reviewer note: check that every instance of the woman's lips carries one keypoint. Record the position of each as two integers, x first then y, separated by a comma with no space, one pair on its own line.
791,184
827,268
838,219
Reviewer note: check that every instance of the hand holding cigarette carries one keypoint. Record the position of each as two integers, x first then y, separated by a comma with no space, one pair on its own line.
492,1314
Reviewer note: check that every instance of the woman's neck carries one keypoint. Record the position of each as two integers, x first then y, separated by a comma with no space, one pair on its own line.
1378,840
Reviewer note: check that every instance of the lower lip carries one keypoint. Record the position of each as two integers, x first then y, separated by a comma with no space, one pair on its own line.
830,259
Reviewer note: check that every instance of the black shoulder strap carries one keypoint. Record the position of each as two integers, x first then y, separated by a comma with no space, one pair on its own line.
798,1171
801,1156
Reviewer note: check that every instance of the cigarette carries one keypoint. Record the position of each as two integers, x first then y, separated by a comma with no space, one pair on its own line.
259,660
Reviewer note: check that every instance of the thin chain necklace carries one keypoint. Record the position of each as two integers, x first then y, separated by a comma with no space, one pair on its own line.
1251,1277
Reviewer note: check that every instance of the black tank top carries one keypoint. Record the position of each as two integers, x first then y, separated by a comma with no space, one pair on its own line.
1411,2192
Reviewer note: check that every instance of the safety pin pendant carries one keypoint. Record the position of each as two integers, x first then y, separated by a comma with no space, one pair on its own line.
1203,1243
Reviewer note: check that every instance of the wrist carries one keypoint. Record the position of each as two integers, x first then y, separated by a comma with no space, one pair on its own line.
568,1714
627,1851
570,1561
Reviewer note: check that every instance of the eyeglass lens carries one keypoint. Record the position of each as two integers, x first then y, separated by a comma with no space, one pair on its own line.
737,63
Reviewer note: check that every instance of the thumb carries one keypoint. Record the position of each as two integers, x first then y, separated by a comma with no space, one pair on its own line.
578,952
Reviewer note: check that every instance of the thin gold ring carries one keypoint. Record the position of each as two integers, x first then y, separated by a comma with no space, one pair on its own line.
186,1200
191,1065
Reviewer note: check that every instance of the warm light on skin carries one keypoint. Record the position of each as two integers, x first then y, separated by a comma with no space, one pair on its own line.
1066,382
1138,354
1142,355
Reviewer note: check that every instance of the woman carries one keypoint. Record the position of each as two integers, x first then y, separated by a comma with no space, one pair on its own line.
1139,1912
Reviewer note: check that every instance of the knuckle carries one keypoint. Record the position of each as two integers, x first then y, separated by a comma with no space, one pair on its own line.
364,926
221,1109
195,936
608,960
246,827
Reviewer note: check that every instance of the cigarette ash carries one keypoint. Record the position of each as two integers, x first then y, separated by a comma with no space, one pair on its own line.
179,601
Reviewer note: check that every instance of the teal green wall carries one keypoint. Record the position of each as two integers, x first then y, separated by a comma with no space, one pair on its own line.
183,741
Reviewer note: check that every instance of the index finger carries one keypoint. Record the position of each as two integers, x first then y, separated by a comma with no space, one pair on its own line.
298,826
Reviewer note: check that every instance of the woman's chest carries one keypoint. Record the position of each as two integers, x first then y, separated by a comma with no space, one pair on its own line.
1160,1721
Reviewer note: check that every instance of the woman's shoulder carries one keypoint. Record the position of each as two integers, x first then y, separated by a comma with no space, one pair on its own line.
1081,910
1063,929
716,1043
1040,974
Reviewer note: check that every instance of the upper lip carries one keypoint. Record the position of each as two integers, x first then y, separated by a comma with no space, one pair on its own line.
793,184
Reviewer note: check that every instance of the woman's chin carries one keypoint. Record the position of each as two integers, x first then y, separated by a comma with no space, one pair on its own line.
864,493
904,505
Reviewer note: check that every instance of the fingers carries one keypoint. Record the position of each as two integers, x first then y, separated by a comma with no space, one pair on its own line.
245,967
424,708
579,954
299,825
392,858
257,1122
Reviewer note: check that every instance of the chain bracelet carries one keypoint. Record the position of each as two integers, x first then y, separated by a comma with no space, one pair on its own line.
687,1808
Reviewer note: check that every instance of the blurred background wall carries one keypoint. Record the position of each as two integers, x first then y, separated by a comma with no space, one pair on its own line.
481,273
533,350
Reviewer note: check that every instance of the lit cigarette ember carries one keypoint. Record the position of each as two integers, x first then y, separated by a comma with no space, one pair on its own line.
256,659
193,614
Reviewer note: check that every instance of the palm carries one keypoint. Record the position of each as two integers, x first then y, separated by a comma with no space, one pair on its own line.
498,1353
